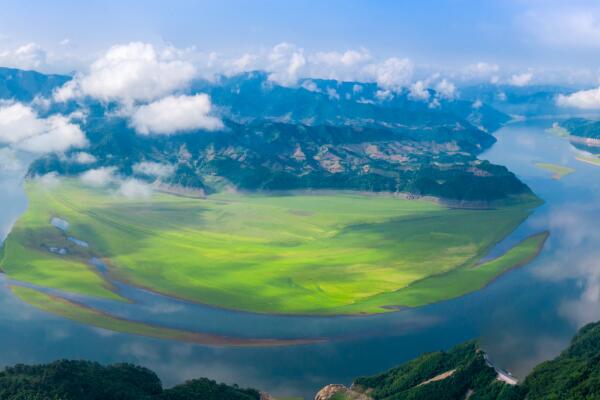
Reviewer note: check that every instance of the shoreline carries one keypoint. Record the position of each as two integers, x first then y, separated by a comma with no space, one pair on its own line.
163,332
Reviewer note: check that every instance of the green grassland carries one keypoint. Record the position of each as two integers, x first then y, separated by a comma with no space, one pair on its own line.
557,130
589,159
558,171
302,254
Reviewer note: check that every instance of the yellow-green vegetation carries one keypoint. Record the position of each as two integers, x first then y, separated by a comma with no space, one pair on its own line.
558,130
465,279
89,316
558,171
589,159
302,254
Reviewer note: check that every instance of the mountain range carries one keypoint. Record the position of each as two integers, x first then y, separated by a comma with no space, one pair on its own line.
320,134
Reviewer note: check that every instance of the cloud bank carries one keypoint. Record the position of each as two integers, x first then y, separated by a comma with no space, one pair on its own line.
28,56
175,114
522,79
131,72
98,177
584,99
22,129
154,169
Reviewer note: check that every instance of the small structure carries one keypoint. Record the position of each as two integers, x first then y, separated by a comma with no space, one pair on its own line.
503,375
59,223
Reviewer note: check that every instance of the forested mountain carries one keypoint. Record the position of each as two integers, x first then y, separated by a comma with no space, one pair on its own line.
319,135
582,127
317,102
77,380
464,372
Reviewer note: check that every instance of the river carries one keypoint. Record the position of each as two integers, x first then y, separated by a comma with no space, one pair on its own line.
524,317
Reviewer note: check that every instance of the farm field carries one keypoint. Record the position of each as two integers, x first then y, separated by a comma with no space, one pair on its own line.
317,253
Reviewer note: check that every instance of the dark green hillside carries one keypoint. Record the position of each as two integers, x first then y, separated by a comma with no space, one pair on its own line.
574,374
322,134
448,375
263,155
582,127
26,85
281,138
77,380
462,372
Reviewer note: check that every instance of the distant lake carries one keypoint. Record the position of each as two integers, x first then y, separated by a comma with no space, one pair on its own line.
524,317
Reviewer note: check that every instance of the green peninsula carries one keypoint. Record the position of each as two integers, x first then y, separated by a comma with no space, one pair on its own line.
310,253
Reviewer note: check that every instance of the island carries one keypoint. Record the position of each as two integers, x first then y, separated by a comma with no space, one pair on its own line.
558,171
584,135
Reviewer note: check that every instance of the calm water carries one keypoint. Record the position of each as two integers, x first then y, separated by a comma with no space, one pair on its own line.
526,316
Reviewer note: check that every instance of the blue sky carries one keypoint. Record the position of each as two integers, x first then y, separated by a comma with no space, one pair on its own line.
515,34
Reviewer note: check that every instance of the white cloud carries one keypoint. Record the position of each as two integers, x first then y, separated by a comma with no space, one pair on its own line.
342,66
584,99
175,114
477,104
83,158
29,56
49,180
481,71
435,103
22,129
241,64
384,95
310,85
445,89
333,94
131,72
483,68
289,63
154,169
393,73
134,189
418,91
349,58
9,161
522,79
98,177
285,64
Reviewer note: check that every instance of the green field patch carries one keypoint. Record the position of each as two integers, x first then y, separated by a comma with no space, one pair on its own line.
464,280
290,254
558,171
589,159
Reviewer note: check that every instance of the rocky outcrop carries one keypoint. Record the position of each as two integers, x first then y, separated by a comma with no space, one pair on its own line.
329,391
266,396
